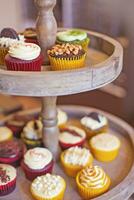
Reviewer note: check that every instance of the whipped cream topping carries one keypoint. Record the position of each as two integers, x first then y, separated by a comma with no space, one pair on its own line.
24,51
93,177
94,121
105,142
77,156
37,158
72,135
62,117
7,42
33,130
7,174
5,133
47,186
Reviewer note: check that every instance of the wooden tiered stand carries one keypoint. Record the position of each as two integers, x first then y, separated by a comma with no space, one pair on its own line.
103,65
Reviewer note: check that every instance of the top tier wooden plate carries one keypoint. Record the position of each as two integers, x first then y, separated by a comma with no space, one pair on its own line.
104,64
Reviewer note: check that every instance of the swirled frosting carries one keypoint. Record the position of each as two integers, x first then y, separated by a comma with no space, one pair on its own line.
77,156
33,130
7,42
24,51
47,186
94,121
37,158
72,135
105,142
93,177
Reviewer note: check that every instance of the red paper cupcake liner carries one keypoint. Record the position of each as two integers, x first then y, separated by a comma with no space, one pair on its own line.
67,145
15,161
7,188
32,174
15,64
30,40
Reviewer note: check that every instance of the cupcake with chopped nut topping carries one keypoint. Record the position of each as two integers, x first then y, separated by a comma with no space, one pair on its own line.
66,56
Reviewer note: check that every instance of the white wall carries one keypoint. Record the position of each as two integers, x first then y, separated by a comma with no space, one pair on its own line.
14,13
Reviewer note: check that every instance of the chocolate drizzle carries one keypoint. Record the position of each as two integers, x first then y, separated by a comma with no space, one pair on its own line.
4,178
95,116
72,132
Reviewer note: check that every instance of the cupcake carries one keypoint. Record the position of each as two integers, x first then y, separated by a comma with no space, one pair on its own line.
16,124
7,179
24,57
74,159
71,136
8,37
37,161
48,187
66,56
105,147
30,35
11,152
92,182
62,118
5,134
32,134
94,123
73,36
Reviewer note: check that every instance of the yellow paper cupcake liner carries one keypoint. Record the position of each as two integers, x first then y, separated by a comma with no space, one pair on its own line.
72,170
84,43
3,53
30,142
60,196
104,156
88,193
91,133
67,63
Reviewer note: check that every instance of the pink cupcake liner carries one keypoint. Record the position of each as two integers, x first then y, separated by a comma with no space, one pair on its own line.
7,188
67,145
32,174
15,64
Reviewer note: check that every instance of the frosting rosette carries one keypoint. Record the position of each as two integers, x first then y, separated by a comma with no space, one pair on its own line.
24,51
37,158
92,181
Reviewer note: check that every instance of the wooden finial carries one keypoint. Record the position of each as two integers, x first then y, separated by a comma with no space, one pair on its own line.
46,25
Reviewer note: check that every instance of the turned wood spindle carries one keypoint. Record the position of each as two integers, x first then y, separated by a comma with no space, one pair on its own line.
46,25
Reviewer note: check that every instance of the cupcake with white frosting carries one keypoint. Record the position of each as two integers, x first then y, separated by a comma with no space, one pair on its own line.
32,134
48,187
37,161
71,136
8,37
92,182
74,159
24,57
105,147
62,118
94,123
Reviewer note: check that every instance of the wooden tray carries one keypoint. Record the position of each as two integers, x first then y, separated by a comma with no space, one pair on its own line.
121,170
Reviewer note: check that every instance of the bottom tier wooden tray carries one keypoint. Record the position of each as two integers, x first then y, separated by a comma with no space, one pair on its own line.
121,170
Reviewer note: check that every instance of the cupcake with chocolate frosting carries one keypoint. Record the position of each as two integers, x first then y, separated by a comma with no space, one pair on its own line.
66,56
32,134
24,57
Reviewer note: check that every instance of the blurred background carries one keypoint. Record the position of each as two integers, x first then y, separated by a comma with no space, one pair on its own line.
114,18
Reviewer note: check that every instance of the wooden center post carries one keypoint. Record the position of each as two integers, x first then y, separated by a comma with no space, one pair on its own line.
46,28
